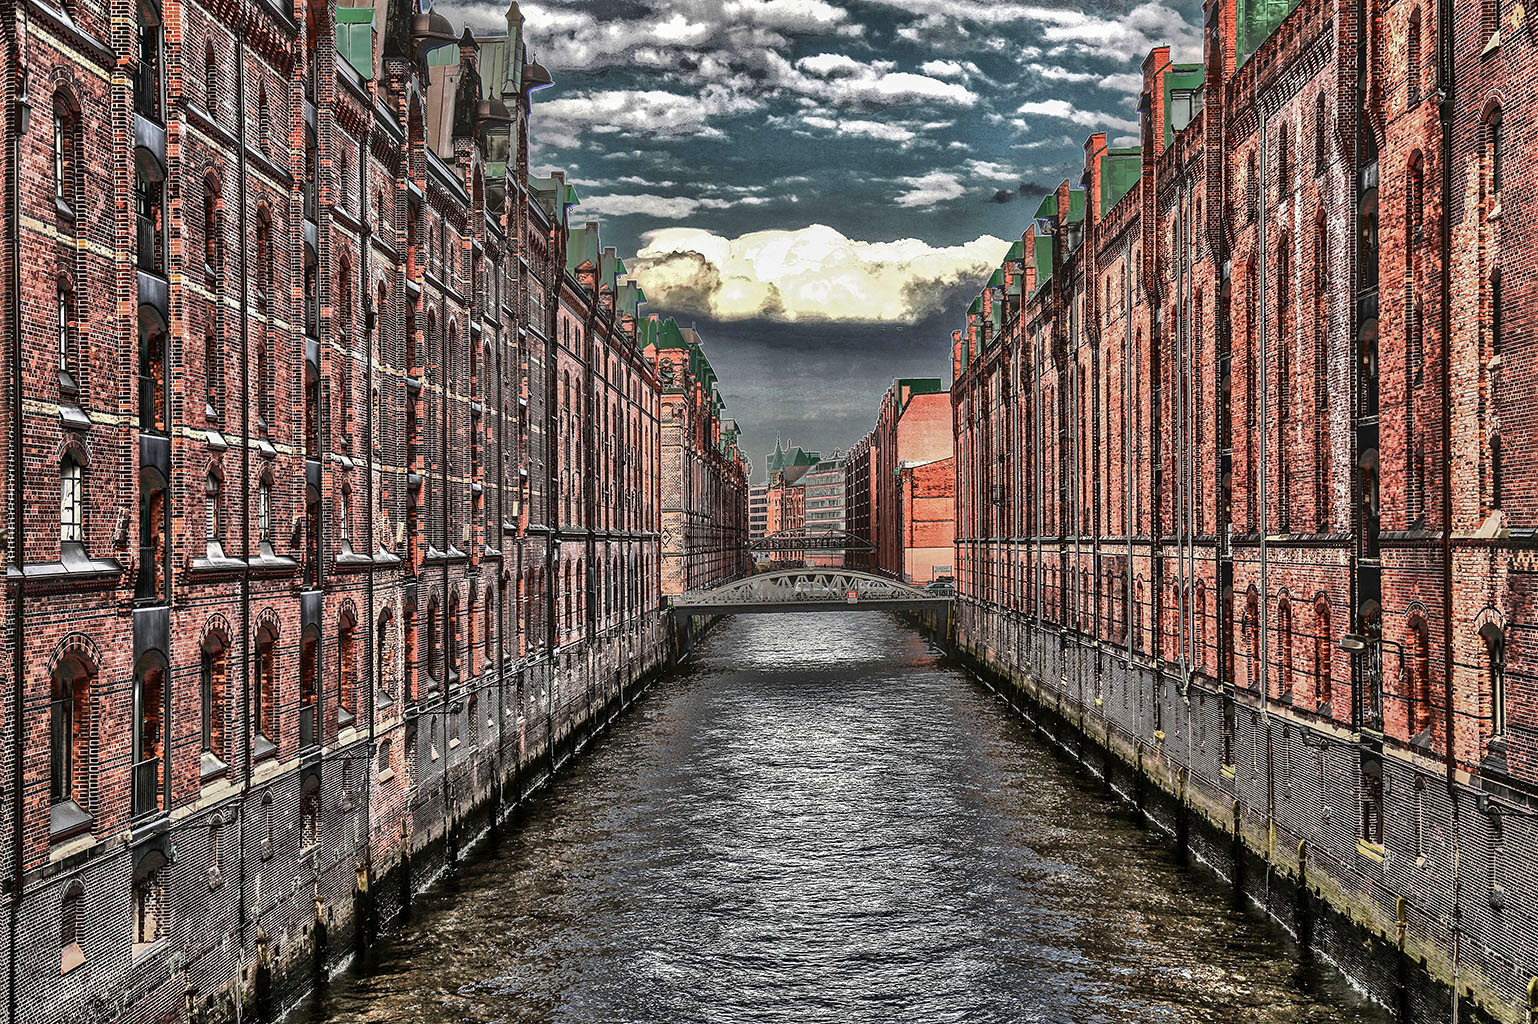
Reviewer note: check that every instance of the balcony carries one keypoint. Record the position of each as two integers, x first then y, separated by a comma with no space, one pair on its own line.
150,256
307,722
146,787
152,406
146,83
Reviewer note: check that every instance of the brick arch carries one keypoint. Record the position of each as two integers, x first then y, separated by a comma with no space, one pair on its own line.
217,625
267,618
347,609
79,645
71,444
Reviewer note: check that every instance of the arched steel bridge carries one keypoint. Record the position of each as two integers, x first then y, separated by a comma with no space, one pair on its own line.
809,590
811,540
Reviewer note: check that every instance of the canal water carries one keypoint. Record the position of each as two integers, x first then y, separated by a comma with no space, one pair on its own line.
817,820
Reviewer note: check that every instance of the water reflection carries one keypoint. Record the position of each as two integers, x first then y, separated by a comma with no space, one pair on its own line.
818,822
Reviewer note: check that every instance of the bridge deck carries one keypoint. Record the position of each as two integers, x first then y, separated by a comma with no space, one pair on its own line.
810,590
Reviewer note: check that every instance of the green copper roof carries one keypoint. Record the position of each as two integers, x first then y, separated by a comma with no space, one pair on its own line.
583,246
997,280
976,306
1119,171
1258,19
498,66
921,385
1048,207
1180,76
668,335
1016,251
1075,205
1043,260
445,56
355,38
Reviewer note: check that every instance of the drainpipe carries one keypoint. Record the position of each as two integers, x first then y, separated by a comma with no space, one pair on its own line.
371,329
245,475
14,116
1446,92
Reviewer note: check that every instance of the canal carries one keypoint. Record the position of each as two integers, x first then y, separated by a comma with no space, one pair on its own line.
817,820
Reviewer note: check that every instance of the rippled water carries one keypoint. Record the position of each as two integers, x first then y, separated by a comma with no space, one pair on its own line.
817,821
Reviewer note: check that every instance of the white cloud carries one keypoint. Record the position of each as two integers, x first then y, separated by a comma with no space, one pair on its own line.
949,68
662,207
640,112
1124,37
868,129
811,274
928,189
991,170
1065,111
840,80
796,16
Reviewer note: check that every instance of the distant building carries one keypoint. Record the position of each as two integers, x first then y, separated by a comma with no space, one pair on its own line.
758,511
900,482
824,484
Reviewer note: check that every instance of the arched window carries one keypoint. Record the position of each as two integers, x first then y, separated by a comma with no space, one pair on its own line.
71,514
70,743
309,811
70,953
66,140
309,686
1495,668
265,687
434,646
1413,58
149,735
212,242
453,638
147,900
213,679
1418,668
1284,640
347,670
1494,156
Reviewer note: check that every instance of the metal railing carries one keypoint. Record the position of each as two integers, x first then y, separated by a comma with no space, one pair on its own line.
149,247
151,404
146,81
146,787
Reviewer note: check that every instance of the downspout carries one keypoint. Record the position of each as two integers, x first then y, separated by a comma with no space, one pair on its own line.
371,320
245,473
1445,95
13,113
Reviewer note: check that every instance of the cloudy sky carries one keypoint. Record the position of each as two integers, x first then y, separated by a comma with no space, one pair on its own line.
821,185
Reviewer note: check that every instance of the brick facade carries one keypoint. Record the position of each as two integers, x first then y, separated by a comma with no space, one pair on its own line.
1235,485
333,503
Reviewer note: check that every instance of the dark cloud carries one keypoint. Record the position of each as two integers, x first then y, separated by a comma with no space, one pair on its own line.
1027,190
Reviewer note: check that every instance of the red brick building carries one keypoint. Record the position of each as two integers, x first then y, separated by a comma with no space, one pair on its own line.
704,473
332,492
1235,422
900,479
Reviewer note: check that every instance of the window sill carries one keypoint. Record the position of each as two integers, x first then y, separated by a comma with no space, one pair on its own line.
1493,45
212,767
263,748
71,957
68,820
74,568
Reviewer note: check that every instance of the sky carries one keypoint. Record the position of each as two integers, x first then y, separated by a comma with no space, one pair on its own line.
821,186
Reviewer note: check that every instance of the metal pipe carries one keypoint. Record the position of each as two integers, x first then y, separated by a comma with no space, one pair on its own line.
245,472
13,113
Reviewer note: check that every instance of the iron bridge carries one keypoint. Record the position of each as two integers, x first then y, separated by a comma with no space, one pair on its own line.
811,540
810,590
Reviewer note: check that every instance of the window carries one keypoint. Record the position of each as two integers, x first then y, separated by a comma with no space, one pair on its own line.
1323,652
66,133
309,811
347,671
147,72
215,516
210,77
69,738
264,264
213,373
1413,58
212,256
70,953
264,513
1494,131
265,690
71,530
1321,135
147,900
214,667
66,327
1419,670
149,734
